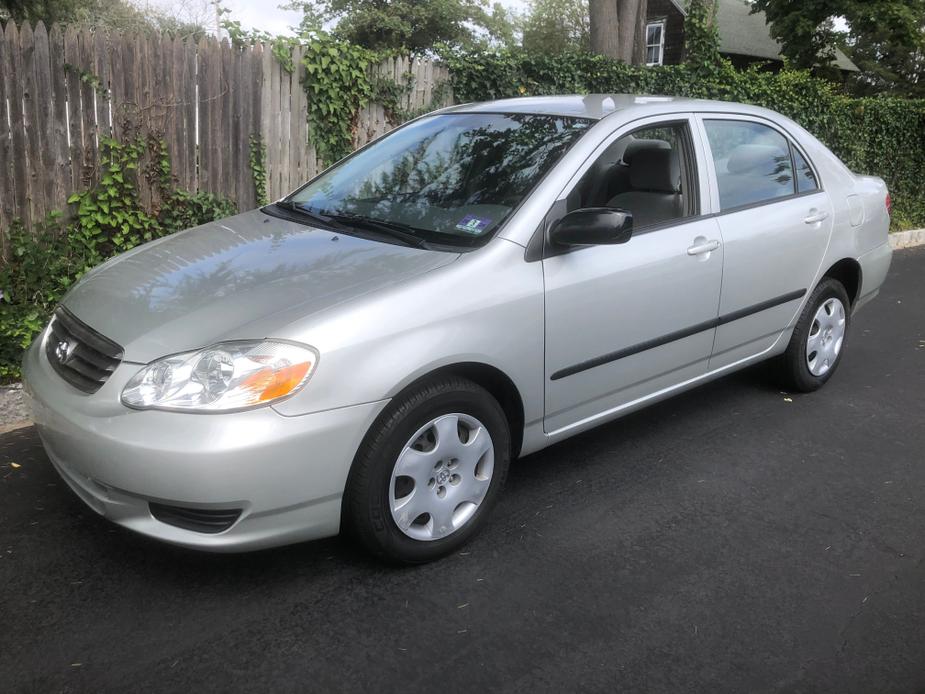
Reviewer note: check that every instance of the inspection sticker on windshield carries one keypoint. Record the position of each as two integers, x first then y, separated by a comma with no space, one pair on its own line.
473,225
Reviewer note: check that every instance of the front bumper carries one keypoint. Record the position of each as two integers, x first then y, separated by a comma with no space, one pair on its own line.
286,474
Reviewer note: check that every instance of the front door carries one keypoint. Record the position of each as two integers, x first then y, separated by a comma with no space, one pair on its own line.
626,321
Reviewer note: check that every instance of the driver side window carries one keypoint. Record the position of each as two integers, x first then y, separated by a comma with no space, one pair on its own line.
648,172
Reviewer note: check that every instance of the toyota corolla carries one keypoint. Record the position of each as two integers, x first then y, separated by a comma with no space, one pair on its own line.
371,352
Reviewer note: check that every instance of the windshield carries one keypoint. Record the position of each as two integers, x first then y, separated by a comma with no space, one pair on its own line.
451,178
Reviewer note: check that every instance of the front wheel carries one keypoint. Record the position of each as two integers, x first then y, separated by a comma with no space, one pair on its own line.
818,340
429,471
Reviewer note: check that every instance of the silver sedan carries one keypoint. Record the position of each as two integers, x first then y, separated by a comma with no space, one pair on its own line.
372,351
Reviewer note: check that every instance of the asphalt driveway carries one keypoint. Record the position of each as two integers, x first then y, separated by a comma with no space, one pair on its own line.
733,539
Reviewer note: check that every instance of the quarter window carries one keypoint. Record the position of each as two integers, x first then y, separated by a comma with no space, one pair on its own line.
752,162
655,43
806,179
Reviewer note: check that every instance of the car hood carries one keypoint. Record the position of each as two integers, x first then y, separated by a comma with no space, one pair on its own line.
238,278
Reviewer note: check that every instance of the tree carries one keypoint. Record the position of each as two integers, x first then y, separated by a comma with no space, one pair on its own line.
885,37
120,15
46,10
408,25
618,29
889,47
557,26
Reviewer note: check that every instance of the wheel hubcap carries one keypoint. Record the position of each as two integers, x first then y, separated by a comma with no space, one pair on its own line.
826,335
441,477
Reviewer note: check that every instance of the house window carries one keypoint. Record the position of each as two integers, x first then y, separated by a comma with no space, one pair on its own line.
655,42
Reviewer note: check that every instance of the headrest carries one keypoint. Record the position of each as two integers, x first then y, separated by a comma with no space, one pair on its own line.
655,170
637,145
759,158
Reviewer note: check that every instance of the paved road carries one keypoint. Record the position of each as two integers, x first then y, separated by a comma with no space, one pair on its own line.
730,540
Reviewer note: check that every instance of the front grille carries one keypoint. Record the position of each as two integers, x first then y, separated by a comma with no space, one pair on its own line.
79,354
196,519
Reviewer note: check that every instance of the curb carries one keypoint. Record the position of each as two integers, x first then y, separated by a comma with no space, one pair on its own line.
7,428
907,239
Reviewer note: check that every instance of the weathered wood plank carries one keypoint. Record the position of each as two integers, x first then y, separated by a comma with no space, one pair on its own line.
256,99
17,118
32,122
137,116
7,181
229,149
190,114
212,137
274,182
237,179
61,168
45,119
285,130
88,127
72,81
113,53
124,103
175,135
206,89
102,66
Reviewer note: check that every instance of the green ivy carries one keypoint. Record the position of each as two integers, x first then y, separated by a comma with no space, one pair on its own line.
701,37
110,218
390,94
258,158
337,85
45,261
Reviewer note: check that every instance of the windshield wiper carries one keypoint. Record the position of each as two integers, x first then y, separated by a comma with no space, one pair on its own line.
402,232
324,220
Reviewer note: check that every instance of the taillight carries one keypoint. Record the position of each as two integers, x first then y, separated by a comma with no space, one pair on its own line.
889,205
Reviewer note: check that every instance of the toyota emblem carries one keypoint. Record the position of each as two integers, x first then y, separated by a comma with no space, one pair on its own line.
64,351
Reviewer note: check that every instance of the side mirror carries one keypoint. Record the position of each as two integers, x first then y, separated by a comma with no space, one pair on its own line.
592,226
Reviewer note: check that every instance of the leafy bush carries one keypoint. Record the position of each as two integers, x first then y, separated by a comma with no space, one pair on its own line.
880,136
46,261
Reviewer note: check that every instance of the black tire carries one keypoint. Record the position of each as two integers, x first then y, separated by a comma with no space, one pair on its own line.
367,514
792,368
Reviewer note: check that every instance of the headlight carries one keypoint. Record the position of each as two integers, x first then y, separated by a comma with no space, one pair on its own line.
226,376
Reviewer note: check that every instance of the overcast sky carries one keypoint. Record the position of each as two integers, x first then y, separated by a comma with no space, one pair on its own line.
258,14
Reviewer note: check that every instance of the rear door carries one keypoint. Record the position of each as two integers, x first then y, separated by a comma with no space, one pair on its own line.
625,321
775,221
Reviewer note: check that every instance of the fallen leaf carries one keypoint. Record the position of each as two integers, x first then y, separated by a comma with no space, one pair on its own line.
788,399
15,466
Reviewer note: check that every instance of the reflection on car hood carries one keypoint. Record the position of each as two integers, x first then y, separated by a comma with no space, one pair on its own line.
232,278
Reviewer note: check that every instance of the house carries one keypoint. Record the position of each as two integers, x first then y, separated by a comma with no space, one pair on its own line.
743,37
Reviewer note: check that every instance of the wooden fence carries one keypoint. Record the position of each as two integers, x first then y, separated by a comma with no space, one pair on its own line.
61,90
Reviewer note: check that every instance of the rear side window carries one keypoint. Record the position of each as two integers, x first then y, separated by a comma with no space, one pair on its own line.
752,162
806,179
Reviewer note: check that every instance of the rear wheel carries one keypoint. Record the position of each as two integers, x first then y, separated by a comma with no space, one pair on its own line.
429,471
818,339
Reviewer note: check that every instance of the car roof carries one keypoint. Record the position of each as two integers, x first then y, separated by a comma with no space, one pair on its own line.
598,106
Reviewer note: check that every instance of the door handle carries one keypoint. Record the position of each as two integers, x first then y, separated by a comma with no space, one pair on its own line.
704,247
818,217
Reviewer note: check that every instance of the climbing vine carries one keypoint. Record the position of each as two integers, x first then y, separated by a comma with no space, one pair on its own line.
701,36
337,85
258,157
109,219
